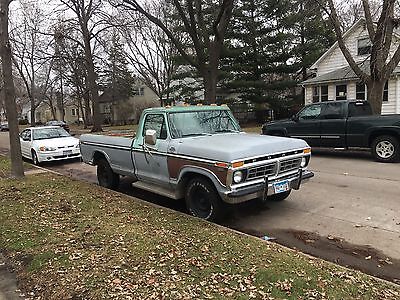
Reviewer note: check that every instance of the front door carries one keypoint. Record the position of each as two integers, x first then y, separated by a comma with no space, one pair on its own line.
151,160
307,125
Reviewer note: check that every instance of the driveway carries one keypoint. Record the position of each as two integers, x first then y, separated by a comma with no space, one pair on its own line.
348,213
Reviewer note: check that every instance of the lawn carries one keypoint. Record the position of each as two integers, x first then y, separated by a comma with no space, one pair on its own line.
69,239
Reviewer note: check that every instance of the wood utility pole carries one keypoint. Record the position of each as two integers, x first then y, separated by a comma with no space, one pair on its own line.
17,169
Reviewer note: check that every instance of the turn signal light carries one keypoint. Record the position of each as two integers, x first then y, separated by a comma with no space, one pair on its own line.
307,151
238,164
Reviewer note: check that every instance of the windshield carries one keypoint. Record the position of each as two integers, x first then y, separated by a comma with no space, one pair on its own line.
49,133
192,123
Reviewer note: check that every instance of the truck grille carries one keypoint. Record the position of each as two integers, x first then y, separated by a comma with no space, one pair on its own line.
262,171
270,169
290,165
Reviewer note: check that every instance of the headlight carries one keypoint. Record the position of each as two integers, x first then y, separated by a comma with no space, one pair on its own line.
44,148
304,161
237,176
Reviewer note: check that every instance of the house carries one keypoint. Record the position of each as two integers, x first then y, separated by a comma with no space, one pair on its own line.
335,80
118,110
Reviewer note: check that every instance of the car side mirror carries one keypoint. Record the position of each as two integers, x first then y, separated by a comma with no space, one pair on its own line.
151,137
295,118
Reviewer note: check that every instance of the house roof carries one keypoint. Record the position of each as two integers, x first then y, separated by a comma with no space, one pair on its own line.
343,74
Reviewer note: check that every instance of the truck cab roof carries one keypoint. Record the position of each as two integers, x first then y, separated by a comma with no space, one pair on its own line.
185,108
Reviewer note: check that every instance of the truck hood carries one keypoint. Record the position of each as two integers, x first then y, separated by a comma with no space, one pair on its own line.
236,146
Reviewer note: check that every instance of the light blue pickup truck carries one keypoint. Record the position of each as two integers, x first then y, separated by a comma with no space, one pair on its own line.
200,154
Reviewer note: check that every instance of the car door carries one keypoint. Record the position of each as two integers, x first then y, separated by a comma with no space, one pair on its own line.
151,160
26,142
333,125
306,125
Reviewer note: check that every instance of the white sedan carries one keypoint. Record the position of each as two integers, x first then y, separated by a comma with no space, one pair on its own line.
48,143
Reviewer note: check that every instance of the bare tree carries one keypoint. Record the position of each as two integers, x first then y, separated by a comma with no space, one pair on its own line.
382,63
206,31
17,169
90,23
151,53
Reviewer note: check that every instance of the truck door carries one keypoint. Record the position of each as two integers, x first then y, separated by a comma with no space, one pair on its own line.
333,125
151,161
307,125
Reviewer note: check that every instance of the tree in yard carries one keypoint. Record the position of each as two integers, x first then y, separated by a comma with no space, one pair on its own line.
89,21
17,169
150,52
205,23
381,34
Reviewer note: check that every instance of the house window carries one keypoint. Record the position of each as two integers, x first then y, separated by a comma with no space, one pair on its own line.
364,46
341,92
360,91
315,97
74,112
386,92
324,93
138,91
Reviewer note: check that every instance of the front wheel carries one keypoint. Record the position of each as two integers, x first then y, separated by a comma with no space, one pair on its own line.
202,200
279,197
35,159
386,148
105,175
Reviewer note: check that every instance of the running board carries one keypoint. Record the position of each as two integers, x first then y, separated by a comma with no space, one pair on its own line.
154,189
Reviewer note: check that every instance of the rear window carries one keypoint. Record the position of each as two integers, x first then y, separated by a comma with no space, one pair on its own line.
358,109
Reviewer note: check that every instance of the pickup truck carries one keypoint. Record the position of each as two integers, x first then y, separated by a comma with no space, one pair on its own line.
343,125
199,154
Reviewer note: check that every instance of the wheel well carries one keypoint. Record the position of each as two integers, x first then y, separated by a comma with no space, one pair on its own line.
98,156
375,134
186,179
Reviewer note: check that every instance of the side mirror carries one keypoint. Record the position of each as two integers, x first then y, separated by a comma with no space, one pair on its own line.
295,118
150,137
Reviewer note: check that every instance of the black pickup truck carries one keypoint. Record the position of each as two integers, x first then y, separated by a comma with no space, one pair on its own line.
343,125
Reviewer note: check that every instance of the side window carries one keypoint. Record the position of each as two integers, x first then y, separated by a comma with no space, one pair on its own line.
333,110
26,135
311,112
157,123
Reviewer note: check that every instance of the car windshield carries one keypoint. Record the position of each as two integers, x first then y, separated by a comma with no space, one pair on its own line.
193,123
49,133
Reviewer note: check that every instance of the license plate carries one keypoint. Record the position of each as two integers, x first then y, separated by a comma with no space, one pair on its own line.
281,186
67,152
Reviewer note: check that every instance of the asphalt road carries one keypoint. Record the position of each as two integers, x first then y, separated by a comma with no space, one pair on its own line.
348,213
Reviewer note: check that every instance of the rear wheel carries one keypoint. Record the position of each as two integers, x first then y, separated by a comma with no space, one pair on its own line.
202,200
386,148
279,197
105,175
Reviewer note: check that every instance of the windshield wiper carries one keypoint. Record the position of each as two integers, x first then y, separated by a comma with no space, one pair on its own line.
194,134
226,130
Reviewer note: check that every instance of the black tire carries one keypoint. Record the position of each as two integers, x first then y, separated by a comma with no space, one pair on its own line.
105,175
386,148
35,159
203,201
279,197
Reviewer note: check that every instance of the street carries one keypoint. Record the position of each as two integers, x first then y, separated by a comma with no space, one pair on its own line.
348,213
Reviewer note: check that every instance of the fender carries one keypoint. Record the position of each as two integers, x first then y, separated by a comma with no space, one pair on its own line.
382,130
101,152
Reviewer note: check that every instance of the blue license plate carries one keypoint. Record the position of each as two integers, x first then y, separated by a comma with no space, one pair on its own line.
281,186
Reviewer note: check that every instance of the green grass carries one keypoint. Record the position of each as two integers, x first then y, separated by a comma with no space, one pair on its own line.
74,240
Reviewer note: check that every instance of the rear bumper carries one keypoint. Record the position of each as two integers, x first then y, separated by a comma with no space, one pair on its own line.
262,188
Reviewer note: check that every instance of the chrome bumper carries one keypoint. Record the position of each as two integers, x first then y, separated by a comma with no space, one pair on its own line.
262,187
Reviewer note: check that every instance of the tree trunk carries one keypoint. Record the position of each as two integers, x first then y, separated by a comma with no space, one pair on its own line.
210,85
17,168
375,95
33,110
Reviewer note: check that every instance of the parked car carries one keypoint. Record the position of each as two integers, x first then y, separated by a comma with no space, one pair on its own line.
343,125
199,153
4,127
48,143
58,123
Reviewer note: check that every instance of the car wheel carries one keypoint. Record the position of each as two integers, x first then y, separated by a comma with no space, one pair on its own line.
386,148
35,159
279,197
105,175
202,200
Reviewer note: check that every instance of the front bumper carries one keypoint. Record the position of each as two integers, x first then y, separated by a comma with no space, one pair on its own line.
58,155
262,187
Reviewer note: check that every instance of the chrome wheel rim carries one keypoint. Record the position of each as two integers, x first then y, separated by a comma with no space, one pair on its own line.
385,149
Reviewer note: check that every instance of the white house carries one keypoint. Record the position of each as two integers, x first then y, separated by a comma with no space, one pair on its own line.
335,80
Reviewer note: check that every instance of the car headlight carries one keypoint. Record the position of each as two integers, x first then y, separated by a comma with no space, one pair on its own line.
304,161
237,176
44,148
